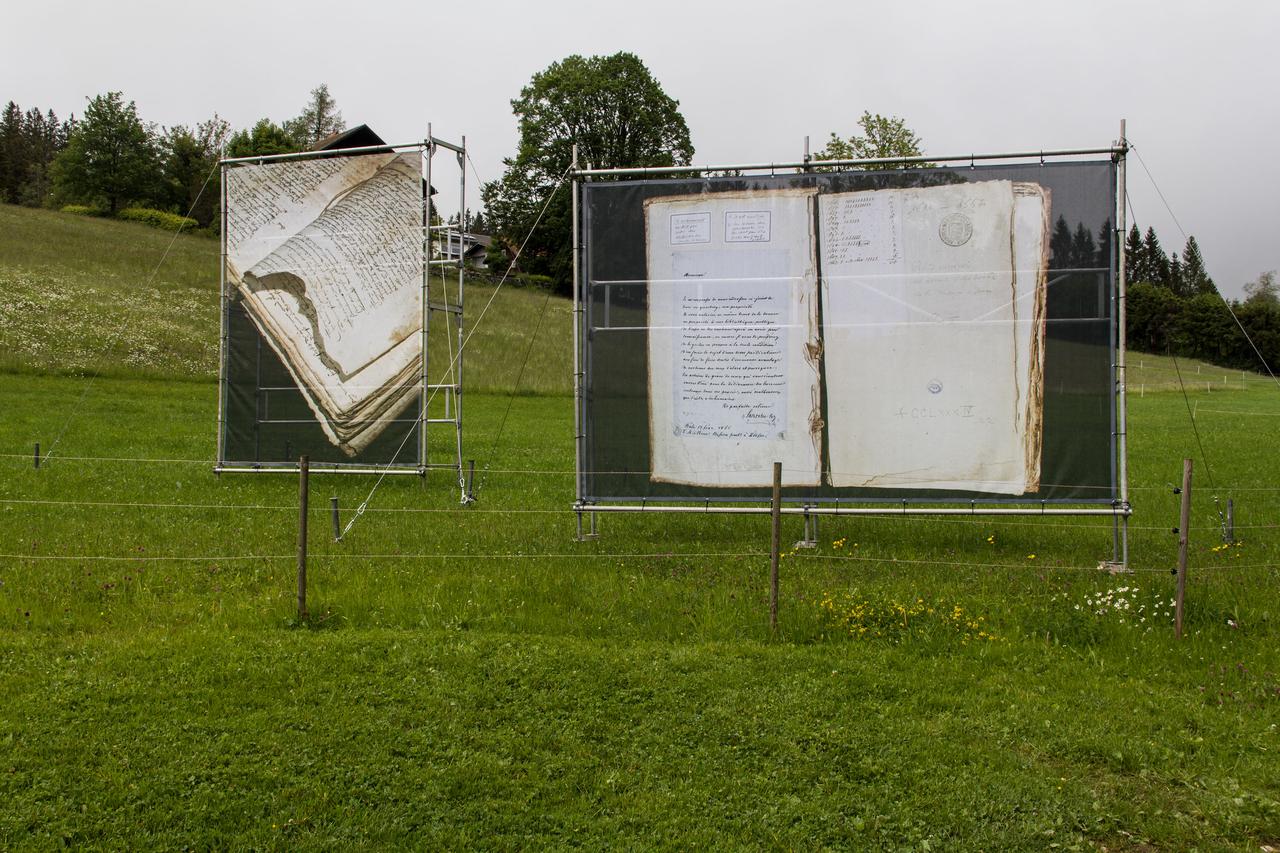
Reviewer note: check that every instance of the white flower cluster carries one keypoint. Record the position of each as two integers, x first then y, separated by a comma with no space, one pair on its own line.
1125,606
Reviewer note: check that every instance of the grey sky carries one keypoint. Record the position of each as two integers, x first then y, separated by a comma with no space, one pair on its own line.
1197,82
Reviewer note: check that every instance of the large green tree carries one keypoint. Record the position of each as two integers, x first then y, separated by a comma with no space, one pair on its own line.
880,137
616,113
191,178
318,119
111,158
1263,290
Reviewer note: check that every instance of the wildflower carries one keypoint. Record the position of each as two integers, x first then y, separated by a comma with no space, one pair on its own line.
1031,556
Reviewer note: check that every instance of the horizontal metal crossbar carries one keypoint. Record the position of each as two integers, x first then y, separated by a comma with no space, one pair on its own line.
332,152
316,469
1113,150
811,509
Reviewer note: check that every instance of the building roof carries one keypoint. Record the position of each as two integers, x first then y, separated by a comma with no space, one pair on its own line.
360,136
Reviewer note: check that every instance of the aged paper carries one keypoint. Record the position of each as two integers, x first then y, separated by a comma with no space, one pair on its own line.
930,369
733,354
327,257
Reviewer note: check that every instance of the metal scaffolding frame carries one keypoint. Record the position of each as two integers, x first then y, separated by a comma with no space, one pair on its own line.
1118,509
434,236
449,381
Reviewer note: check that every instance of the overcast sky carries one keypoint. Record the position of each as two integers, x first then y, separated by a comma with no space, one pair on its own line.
1198,82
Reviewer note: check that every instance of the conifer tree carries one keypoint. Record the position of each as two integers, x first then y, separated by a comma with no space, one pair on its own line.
1195,276
1157,261
319,118
13,156
1135,257
1176,282
45,137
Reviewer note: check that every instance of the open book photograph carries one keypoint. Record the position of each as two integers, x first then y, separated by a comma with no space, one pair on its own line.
326,257
884,338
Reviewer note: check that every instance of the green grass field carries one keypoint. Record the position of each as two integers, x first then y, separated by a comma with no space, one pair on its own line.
474,677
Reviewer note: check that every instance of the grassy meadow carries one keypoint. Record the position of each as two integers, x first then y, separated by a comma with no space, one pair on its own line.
476,678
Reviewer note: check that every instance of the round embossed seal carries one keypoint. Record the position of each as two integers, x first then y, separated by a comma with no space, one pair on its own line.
935,387
955,229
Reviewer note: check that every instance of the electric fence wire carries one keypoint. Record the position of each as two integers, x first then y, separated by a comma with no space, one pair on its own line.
522,556
560,473
888,515
365,503
122,327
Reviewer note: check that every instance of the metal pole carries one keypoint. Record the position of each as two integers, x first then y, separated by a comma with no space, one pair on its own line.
426,297
337,524
1184,521
1122,343
775,547
1112,150
37,456
302,538
1231,521
462,273
579,432
223,325
841,509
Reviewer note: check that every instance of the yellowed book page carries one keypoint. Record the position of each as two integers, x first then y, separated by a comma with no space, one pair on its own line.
732,344
921,339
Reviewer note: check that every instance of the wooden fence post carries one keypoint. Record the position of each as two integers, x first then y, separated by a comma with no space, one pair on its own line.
1184,521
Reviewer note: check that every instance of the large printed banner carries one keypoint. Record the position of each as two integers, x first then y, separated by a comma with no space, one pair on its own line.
324,259
875,336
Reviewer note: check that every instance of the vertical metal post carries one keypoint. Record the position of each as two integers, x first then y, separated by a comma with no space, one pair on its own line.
462,268
578,431
337,523
223,323
1122,343
775,547
1184,521
303,466
37,456
1231,522
429,151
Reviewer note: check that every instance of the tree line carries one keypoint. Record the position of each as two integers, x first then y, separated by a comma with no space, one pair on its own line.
617,114
110,159
1174,308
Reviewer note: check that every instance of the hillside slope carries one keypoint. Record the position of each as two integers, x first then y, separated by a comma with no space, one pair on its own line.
84,295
